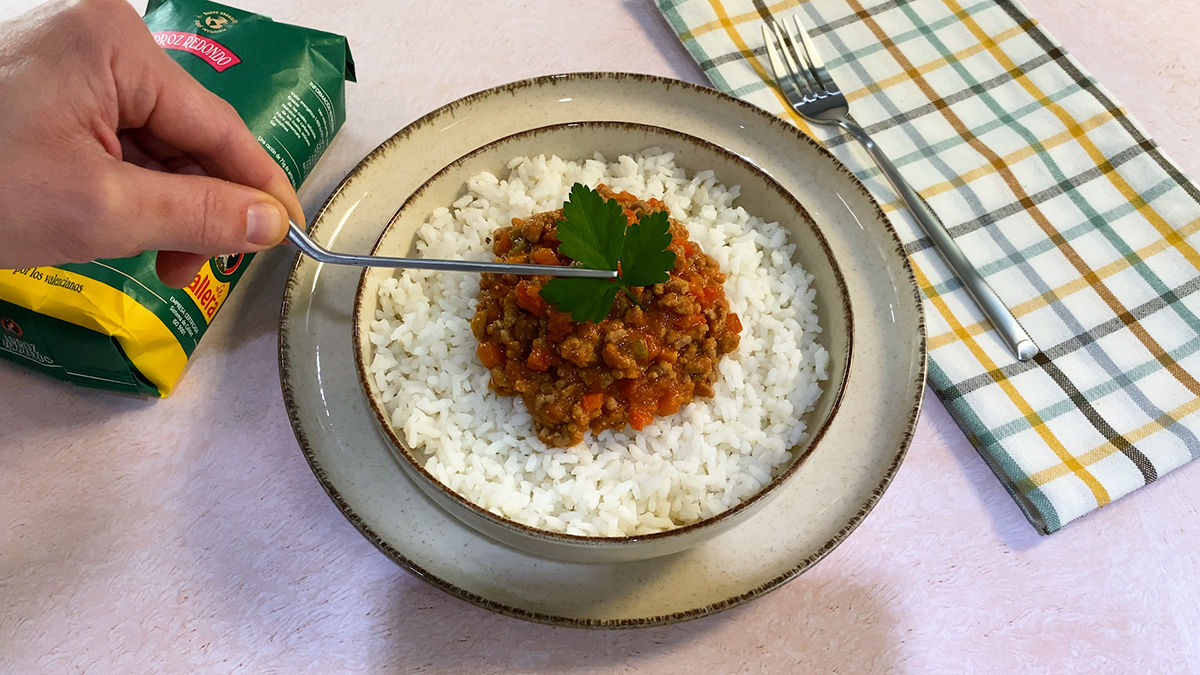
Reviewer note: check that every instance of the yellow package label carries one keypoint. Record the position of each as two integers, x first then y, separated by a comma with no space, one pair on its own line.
208,292
151,346
134,319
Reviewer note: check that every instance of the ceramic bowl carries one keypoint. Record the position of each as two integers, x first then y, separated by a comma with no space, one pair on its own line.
760,195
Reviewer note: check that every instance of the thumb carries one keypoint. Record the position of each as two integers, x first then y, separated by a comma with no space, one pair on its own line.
191,214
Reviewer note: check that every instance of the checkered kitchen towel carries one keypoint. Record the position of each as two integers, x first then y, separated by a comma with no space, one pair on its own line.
1076,218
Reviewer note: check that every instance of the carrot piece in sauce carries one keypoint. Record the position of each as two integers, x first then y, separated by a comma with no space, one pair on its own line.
503,243
539,359
529,299
490,354
593,401
639,418
669,403
544,256
732,323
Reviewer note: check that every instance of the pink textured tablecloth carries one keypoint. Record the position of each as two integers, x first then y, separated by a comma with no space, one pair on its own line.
188,534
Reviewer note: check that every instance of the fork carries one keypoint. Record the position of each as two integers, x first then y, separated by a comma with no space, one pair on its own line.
312,249
801,75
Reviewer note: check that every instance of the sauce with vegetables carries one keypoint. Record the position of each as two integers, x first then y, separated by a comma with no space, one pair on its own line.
638,363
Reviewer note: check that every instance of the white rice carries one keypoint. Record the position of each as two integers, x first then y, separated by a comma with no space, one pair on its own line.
710,456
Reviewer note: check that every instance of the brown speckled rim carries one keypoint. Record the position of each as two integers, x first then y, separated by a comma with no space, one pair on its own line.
286,376
800,451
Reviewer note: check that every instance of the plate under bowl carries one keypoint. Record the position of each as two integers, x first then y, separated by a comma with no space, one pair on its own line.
760,195
828,497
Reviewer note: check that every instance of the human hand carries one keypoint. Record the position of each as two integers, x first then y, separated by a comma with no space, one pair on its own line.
108,148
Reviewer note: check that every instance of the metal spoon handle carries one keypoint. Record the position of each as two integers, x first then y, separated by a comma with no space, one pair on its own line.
1002,318
312,249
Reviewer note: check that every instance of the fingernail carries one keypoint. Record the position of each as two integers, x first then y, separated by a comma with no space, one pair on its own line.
190,170
262,224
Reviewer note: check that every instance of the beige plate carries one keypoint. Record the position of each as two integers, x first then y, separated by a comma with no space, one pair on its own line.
812,513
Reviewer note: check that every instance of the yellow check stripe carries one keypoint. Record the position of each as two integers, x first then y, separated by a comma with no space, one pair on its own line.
1018,155
748,54
723,21
1035,421
863,92
1056,446
1144,208
1065,290
1102,451
1023,153
931,66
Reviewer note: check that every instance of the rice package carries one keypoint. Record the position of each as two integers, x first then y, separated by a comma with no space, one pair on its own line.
112,324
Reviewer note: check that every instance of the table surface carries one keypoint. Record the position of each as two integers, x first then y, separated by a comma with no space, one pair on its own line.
188,534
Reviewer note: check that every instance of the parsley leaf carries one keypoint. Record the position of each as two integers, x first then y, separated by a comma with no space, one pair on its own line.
593,230
583,299
645,259
594,233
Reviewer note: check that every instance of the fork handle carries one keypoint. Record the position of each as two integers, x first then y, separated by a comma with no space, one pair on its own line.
1006,324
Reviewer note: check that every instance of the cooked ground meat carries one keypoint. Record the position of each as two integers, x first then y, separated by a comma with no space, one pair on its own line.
637,363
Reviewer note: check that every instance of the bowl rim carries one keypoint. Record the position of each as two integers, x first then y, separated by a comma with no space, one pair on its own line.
808,445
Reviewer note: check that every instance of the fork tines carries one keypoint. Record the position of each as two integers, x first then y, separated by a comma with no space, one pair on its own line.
800,67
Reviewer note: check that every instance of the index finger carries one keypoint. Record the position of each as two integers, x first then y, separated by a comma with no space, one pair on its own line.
181,113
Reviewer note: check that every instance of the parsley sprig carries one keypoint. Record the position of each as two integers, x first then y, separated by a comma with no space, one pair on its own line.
594,232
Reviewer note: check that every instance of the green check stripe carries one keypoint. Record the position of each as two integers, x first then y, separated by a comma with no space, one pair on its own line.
1111,386
1034,503
1098,224
1062,187
1109,327
1055,373
1102,97
1139,397
897,39
1077,198
964,94
742,92
712,62
670,10
1032,251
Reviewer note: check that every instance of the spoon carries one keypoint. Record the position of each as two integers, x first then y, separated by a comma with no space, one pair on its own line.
312,249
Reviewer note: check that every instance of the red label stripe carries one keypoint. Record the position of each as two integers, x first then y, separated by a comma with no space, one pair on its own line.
213,53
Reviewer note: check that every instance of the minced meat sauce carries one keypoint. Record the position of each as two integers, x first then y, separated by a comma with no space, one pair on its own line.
638,363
